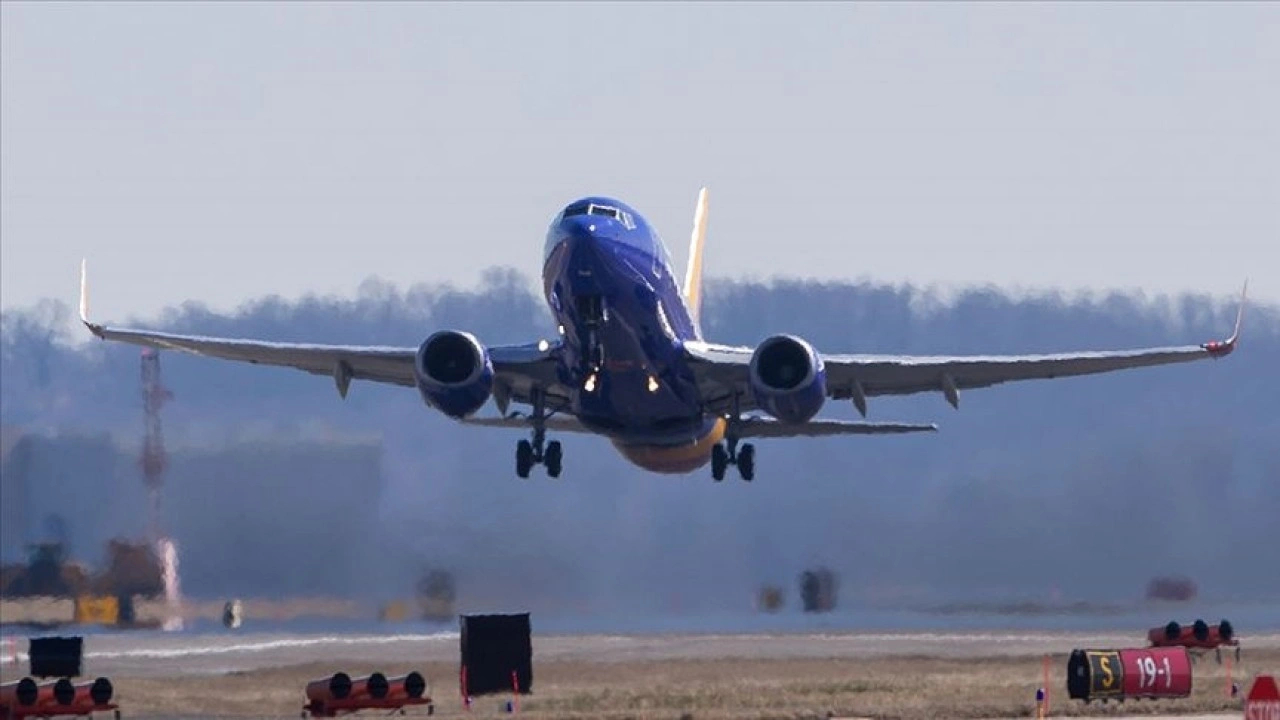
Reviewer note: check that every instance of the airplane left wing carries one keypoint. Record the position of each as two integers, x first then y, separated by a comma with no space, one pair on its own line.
722,370
517,368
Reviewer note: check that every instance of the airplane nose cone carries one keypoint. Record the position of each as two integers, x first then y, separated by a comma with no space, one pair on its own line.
580,228
584,237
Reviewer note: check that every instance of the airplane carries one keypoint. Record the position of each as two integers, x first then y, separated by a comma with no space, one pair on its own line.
630,362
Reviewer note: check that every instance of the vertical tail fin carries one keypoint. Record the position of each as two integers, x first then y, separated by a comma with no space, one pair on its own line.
693,273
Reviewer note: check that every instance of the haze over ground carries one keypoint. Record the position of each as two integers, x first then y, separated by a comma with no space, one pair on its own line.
1085,487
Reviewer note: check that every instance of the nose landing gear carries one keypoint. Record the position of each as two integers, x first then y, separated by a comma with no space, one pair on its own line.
533,453
594,313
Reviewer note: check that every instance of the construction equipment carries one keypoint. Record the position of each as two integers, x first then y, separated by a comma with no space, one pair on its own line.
132,569
436,596
818,590
105,598
47,573
1177,588
769,599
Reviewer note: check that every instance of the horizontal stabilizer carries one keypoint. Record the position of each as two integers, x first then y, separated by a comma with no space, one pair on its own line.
762,427
521,422
750,427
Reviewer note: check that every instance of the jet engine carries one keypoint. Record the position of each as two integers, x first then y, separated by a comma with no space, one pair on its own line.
788,379
454,373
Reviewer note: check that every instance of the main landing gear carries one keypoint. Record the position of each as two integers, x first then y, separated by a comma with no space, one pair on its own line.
539,451
529,454
727,453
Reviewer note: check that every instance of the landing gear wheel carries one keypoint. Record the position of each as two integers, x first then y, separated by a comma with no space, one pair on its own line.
538,450
719,461
524,458
552,458
747,462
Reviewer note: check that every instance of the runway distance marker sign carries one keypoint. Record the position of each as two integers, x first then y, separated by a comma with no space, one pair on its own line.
1129,673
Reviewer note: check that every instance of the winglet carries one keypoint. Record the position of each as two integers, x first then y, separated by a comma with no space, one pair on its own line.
1221,348
693,271
84,299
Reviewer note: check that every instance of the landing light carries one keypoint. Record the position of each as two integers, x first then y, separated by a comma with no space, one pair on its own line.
590,384
561,328
543,345
653,384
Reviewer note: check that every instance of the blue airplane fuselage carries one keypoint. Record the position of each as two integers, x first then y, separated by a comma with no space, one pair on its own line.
623,320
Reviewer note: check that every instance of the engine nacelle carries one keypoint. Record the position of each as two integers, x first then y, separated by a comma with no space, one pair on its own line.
788,378
454,373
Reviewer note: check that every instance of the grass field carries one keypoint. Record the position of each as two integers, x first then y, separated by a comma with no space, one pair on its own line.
912,687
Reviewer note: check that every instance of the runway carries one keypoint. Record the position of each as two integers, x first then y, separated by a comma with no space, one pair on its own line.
977,674
150,653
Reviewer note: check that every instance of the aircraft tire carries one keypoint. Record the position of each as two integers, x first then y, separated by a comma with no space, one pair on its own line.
719,461
552,458
747,462
524,458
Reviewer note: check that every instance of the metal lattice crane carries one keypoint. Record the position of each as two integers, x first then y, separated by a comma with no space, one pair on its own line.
154,459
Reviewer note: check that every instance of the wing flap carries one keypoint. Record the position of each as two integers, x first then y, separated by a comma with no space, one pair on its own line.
762,427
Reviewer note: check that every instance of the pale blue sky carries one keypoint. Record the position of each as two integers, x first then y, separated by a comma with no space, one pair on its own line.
228,151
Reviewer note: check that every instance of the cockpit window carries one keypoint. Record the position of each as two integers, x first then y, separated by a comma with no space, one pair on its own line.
594,209
605,210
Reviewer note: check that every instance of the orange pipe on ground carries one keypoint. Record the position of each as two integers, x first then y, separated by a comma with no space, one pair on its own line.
335,687
22,693
412,685
374,685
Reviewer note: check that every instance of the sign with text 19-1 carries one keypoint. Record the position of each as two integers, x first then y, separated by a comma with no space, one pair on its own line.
1129,673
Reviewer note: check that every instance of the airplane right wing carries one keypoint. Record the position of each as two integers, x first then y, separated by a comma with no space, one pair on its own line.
723,371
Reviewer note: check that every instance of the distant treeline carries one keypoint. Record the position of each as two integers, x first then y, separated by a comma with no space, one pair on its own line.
1087,486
